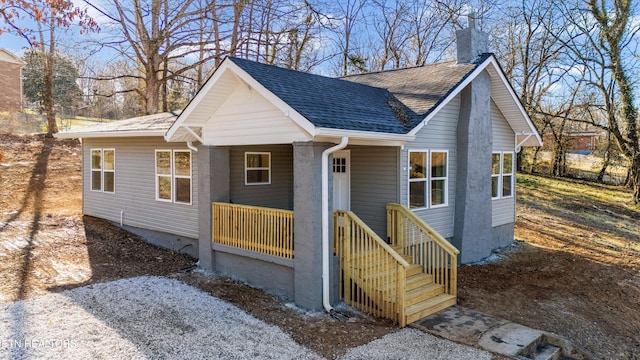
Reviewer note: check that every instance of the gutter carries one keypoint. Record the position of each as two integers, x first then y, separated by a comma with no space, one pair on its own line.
325,222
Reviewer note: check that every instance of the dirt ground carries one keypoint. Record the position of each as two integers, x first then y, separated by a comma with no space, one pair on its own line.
570,275
47,245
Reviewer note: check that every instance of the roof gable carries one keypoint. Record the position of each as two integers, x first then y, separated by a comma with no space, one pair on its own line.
330,102
395,103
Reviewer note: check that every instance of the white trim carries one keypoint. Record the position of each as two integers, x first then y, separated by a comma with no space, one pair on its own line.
246,168
92,170
501,174
428,179
170,175
109,134
173,176
365,135
481,67
229,65
101,170
347,155
176,176
109,171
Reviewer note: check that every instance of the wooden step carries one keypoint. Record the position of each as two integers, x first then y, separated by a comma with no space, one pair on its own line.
427,307
365,257
411,271
423,293
413,282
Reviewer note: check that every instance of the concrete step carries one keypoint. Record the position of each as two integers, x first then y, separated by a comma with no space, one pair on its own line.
427,307
547,352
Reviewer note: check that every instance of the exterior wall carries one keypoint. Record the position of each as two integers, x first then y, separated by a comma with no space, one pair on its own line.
11,85
278,194
248,118
503,210
374,184
438,134
135,188
269,273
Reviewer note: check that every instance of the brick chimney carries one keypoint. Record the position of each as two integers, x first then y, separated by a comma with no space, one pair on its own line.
471,42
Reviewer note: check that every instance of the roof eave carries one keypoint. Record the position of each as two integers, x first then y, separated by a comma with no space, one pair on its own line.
365,137
110,134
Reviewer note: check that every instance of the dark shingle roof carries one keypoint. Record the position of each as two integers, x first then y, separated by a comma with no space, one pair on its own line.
421,88
390,101
328,102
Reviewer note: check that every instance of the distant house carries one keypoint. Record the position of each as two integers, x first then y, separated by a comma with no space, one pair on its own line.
10,81
580,141
368,188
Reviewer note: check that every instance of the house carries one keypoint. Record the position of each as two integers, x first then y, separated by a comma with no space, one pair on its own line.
365,188
10,81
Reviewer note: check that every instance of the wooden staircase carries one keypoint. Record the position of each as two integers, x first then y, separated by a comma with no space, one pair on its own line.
422,296
392,281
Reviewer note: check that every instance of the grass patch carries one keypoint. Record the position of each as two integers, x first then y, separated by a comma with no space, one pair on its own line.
604,208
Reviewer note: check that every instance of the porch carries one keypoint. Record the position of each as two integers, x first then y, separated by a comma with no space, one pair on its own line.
409,277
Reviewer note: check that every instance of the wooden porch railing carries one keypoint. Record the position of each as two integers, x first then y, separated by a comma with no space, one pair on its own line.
265,230
373,274
425,246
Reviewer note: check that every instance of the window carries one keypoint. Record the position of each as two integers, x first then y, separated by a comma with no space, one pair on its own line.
502,175
173,176
257,168
103,170
428,183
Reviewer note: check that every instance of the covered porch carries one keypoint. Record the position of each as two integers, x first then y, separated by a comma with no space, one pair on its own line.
409,277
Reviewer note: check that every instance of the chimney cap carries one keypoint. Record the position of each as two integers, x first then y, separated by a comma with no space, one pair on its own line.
471,19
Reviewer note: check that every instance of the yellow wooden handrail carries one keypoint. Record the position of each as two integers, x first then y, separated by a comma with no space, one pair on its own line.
254,228
425,246
437,237
376,238
373,274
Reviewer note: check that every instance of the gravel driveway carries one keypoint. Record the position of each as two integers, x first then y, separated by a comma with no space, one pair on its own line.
160,318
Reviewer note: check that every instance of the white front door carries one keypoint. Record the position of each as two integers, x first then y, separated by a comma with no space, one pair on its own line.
342,180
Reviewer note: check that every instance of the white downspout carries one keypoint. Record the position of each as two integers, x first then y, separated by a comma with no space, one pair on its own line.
190,146
325,221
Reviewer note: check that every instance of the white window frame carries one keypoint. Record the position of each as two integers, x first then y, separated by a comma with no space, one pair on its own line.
173,176
102,170
246,168
428,179
500,175
176,176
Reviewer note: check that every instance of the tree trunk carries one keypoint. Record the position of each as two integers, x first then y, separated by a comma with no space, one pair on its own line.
152,92
52,126
635,178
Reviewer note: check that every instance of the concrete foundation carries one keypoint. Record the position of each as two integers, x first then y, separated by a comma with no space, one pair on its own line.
272,274
165,240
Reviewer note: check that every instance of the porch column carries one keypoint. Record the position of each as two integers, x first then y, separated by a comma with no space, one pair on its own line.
307,230
213,185
472,230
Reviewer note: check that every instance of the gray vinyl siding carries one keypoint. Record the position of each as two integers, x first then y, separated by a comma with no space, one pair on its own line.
135,186
438,134
278,194
374,184
503,210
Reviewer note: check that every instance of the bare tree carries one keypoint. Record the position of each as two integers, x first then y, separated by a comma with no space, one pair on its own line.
601,40
154,34
49,16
